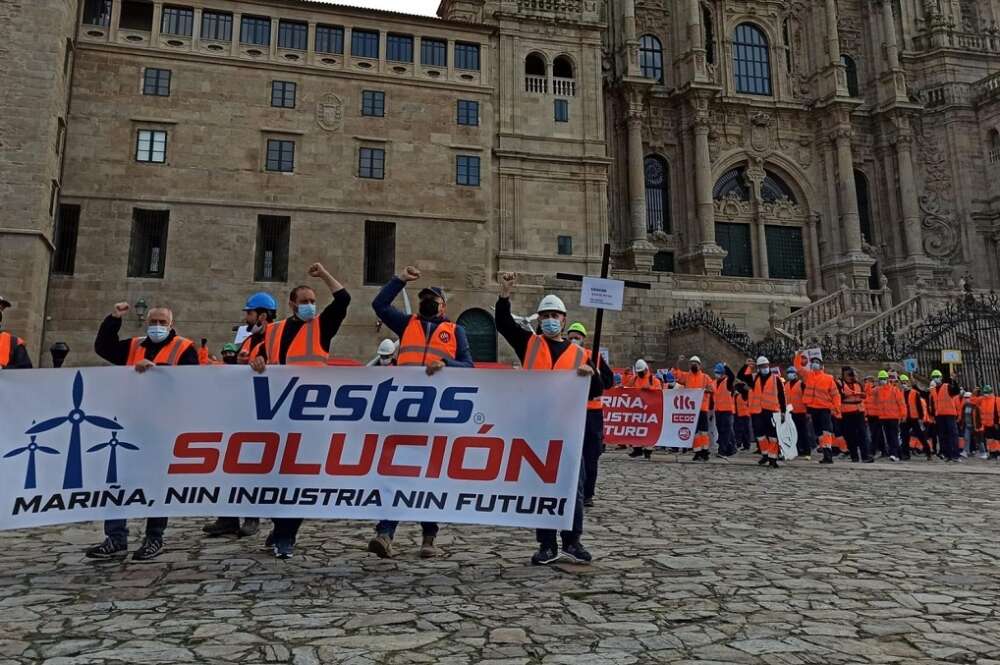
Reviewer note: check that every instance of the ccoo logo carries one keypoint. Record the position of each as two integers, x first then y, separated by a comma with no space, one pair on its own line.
684,403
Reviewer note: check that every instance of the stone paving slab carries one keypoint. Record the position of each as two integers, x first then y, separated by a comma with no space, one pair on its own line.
696,564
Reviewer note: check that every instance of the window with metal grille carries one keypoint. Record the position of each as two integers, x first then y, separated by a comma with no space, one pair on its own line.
467,167
466,56
564,245
851,72
147,254
371,163
293,35
732,181
280,155
773,188
255,30
271,262
663,262
67,230
994,147
785,253
156,82
177,21
481,333
283,94
380,252
657,194
709,27
97,12
364,43
562,110
373,103
399,48
433,52
329,39
735,239
217,26
468,112
864,206
136,15
151,146
651,58
751,60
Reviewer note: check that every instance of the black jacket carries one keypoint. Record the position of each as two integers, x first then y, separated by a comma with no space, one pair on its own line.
115,351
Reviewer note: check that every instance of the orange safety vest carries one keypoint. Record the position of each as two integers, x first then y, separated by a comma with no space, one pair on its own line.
416,349
305,350
648,382
696,381
852,398
888,402
742,406
248,347
723,398
796,396
871,409
913,404
944,404
764,395
538,357
988,416
7,345
820,390
170,354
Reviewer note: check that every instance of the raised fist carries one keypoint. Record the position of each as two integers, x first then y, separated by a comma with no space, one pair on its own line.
410,274
316,270
120,310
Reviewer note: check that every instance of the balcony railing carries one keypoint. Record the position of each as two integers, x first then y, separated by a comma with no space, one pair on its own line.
536,84
563,87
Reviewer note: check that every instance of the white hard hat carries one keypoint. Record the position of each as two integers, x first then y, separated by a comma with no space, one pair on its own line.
761,360
695,359
387,347
641,366
551,303
967,395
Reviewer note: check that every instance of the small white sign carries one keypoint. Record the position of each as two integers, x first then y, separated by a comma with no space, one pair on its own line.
600,293
951,357
814,353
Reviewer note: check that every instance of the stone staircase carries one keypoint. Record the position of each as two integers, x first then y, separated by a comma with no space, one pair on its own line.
843,311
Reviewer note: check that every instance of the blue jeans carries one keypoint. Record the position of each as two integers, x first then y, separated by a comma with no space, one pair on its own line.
947,432
727,437
388,528
117,530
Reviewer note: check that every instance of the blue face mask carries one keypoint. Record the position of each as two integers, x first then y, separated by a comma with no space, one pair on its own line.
157,334
307,312
551,327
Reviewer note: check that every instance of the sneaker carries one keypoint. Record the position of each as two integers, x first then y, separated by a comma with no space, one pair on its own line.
251,526
109,549
577,553
545,555
588,502
984,456
381,546
893,458
869,460
223,526
150,549
773,464
647,453
428,550
284,550
827,459
636,452
762,461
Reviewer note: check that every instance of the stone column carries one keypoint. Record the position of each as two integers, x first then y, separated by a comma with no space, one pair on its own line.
237,31
274,38
849,219
833,232
908,196
889,34
154,30
636,173
196,28
631,39
764,268
812,238
710,255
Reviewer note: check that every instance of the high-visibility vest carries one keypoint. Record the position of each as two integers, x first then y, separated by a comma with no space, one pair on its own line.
764,395
538,357
820,391
170,354
888,403
415,348
249,347
942,401
7,345
648,382
696,381
723,399
871,409
742,405
852,396
305,349
796,396
988,411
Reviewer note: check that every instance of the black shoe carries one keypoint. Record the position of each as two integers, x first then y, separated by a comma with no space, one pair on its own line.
588,502
636,452
251,526
647,453
284,550
869,460
826,460
773,464
762,461
576,553
223,526
150,549
545,555
107,550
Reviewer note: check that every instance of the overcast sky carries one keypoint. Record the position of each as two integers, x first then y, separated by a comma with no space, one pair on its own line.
426,7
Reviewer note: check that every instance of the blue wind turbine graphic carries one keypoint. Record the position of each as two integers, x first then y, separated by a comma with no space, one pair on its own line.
113,444
31,449
73,478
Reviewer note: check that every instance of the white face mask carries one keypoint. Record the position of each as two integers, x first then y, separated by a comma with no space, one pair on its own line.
157,334
382,360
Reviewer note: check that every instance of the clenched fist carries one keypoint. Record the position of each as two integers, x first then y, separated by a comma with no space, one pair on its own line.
410,274
316,270
507,280
120,310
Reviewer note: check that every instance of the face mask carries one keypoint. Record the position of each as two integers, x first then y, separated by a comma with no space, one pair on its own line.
157,334
551,327
695,368
578,342
936,382
382,360
815,366
718,376
306,312
792,377
642,374
229,360
428,308
763,371
882,382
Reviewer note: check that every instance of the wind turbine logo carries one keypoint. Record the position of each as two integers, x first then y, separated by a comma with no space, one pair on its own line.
113,445
73,478
31,449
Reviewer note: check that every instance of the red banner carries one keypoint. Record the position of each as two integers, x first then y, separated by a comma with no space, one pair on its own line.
648,418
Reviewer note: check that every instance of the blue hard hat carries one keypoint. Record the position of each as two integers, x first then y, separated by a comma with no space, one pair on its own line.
720,368
261,300
670,378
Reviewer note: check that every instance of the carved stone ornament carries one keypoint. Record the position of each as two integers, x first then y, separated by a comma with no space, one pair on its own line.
783,208
760,132
330,113
731,206
940,232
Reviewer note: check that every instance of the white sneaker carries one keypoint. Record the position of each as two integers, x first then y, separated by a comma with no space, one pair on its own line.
893,458
984,456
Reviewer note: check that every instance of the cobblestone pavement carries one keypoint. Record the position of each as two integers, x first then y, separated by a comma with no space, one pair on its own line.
698,564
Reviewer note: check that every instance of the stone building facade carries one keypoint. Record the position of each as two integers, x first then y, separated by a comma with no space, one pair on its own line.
738,155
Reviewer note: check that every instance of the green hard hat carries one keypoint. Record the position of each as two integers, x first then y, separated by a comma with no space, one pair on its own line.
230,348
577,327
987,389
936,374
883,374
904,377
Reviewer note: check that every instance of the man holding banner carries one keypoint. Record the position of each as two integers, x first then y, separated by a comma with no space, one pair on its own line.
695,379
593,438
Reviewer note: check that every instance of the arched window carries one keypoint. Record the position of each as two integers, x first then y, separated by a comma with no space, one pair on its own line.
774,189
732,181
751,60
482,334
864,205
851,70
657,195
562,67
709,27
651,58
534,65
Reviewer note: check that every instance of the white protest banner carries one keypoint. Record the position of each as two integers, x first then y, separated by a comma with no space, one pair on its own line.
600,293
648,418
812,353
474,446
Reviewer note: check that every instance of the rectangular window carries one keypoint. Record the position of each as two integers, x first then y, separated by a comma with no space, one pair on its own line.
329,39
364,44
399,48
380,252
147,255
468,112
156,82
562,110
663,262
151,146
785,255
177,21
467,56
280,155
97,12
371,163
564,245
283,94
373,103
433,52
293,35
67,230
217,25
136,15
255,30
467,170
735,239
271,262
